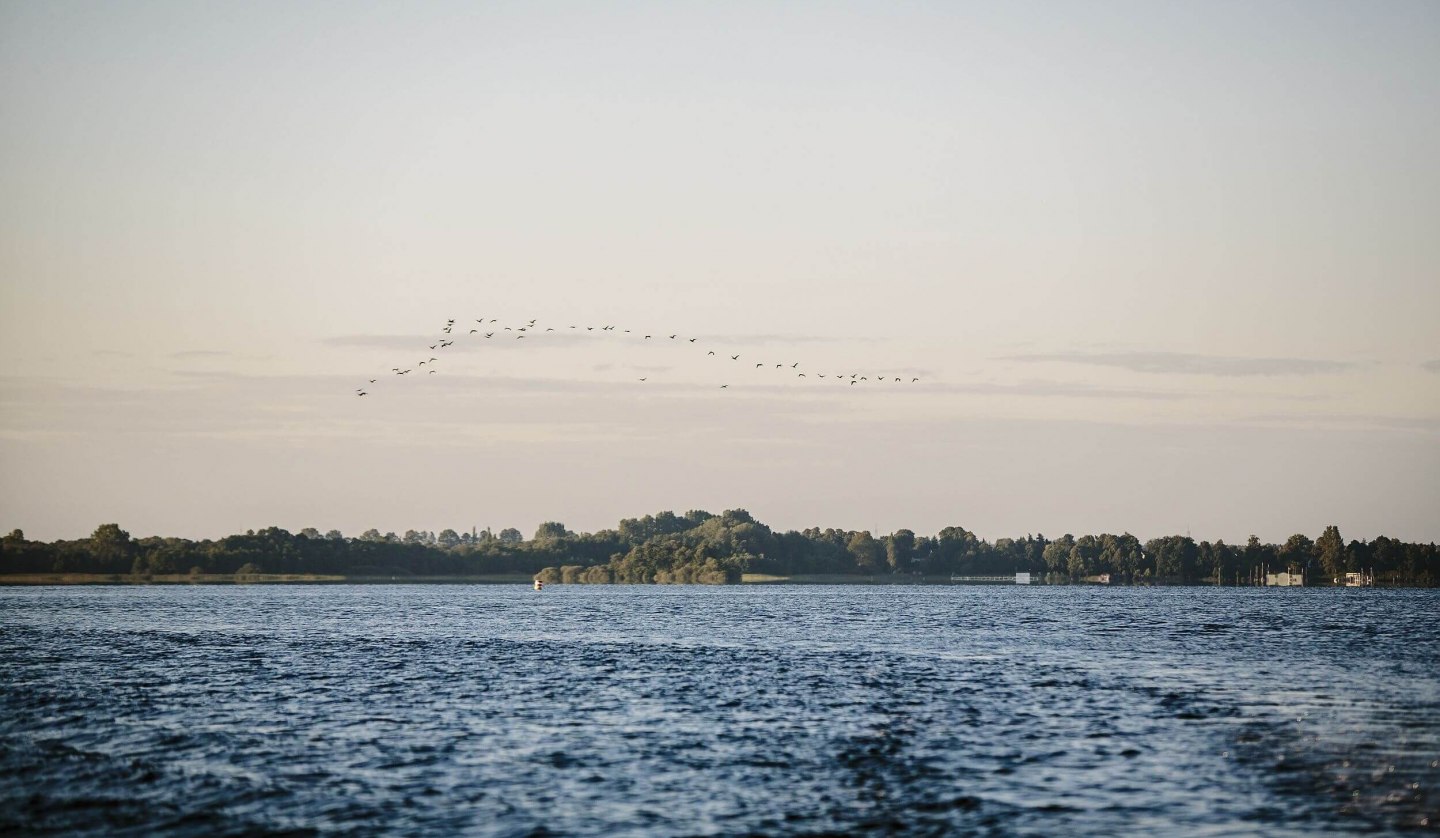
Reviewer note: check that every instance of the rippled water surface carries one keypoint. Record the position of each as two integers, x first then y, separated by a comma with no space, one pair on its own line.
736,710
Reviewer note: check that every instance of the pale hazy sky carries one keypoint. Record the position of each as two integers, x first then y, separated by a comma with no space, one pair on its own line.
1160,266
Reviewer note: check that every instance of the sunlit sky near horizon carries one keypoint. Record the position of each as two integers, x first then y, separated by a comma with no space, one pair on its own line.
1159,267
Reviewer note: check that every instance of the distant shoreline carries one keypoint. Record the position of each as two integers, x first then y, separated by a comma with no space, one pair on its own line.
29,579
748,579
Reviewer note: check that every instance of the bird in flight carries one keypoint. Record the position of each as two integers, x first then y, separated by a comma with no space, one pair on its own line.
448,340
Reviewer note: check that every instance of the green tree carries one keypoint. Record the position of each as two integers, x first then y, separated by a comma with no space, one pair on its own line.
1296,552
551,531
865,552
1057,554
1330,550
1084,557
900,550
112,549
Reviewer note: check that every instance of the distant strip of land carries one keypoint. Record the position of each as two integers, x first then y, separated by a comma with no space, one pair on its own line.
253,579
701,548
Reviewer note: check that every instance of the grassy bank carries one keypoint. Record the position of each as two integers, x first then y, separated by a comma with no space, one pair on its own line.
255,579
839,579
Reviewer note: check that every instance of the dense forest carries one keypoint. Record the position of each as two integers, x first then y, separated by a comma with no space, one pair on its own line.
700,547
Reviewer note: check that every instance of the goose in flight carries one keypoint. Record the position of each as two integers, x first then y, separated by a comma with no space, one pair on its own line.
711,352
734,357
361,393
723,386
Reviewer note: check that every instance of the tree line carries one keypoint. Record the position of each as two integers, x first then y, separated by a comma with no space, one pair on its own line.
699,547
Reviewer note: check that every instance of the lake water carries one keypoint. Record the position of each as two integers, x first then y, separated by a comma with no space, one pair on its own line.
497,710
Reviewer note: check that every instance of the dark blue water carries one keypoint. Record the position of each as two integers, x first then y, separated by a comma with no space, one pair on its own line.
694,710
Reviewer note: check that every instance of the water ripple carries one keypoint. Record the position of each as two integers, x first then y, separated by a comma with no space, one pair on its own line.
661,711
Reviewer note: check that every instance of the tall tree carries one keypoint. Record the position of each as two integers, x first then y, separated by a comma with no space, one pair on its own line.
1330,550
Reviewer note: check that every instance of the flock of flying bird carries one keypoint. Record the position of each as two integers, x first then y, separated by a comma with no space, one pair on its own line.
490,332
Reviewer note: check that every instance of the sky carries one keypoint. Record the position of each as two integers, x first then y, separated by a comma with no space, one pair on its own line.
1159,267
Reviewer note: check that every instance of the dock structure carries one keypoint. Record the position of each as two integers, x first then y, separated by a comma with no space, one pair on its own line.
1016,579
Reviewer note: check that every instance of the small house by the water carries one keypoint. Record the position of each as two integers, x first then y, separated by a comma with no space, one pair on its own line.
1359,579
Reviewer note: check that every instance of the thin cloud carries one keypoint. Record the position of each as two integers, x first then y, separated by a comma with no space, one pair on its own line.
1425,424
1055,389
200,353
1180,363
